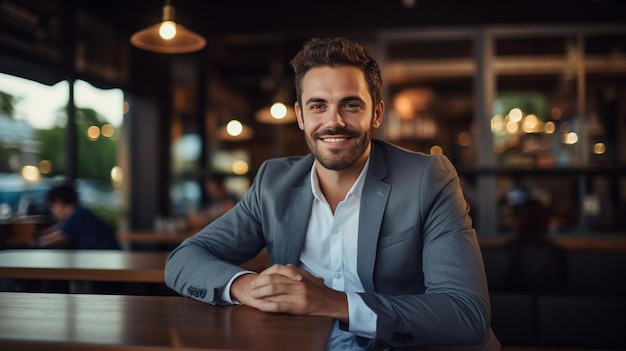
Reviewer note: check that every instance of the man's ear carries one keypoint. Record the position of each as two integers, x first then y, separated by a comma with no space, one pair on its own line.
299,117
379,111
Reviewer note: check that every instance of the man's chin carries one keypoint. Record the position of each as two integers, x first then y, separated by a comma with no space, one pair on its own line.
334,161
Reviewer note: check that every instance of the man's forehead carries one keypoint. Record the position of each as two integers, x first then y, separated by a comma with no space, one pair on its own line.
333,70
341,82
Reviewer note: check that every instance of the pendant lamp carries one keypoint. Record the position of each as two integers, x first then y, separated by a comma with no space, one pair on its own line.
168,37
277,113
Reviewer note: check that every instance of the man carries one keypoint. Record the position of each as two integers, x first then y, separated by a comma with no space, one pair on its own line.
77,227
377,237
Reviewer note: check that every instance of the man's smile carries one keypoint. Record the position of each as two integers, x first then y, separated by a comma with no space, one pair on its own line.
334,139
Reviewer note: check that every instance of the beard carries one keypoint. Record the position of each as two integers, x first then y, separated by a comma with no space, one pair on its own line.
339,158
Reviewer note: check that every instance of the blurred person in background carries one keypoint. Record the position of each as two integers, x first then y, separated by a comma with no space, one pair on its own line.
219,200
536,263
77,227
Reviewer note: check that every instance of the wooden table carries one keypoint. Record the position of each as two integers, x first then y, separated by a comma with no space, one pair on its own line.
94,265
86,265
128,238
17,234
68,322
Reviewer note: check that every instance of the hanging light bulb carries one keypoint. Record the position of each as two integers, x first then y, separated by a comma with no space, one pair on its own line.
167,30
277,113
168,37
234,130
278,110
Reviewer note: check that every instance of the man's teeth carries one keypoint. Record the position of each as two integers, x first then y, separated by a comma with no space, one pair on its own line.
335,140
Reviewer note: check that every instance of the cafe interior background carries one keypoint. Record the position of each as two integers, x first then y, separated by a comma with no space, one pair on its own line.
527,98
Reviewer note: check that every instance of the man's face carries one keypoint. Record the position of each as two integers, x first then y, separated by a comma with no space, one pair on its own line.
337,116
56,208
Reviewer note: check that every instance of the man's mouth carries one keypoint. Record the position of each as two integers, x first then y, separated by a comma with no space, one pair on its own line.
334,139
336,136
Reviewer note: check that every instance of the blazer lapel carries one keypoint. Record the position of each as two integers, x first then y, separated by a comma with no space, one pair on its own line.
296,224
373,202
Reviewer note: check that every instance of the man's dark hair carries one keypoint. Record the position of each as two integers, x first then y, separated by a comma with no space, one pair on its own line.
63,192
337,52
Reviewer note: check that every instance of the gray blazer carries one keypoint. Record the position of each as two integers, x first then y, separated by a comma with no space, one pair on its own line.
418,257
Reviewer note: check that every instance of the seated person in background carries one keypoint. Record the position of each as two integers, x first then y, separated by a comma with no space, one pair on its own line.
219,200
77,227
536,263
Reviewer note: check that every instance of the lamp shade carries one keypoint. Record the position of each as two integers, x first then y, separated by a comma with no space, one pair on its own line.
182,41
185,40
264,115
246,134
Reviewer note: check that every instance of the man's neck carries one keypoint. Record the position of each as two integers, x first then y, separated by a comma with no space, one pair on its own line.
334,184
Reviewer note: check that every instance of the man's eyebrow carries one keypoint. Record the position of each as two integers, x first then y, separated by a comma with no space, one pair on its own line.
344,99
352,98
314,100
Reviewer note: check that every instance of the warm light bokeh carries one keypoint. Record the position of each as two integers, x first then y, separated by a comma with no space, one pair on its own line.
234,128
167,30
240,167
278,110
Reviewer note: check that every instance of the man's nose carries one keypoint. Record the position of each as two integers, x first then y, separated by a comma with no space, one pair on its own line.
335,118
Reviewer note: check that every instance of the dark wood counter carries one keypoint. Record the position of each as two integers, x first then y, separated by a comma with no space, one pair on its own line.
94,265
86,322
87,265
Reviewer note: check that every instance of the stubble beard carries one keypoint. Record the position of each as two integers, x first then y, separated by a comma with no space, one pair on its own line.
339,159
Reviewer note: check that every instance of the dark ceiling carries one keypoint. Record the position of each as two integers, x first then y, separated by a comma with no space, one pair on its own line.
246,36
247,17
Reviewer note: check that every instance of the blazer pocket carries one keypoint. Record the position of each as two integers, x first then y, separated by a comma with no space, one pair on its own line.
394,239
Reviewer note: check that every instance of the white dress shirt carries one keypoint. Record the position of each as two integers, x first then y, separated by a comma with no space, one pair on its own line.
330,252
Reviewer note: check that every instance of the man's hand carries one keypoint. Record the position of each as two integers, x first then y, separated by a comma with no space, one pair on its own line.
53,239
289,289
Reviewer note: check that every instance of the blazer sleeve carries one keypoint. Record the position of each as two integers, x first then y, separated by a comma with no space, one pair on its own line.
453,307
202,265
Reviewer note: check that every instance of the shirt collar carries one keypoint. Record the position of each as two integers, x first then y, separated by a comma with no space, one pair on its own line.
357,187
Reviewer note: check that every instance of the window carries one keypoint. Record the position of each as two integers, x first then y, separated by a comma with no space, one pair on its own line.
34,140
550,126
32,143
429,108
556,123
99,123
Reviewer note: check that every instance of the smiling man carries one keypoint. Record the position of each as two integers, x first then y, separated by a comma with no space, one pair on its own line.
377,237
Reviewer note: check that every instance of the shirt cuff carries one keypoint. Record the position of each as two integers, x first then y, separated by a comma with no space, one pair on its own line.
226,293
362,318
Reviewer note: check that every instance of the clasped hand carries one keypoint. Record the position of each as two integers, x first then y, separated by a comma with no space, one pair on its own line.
289,289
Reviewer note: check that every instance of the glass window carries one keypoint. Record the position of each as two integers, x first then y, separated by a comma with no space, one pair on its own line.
99,123
434,117
430,107
535,121
556,119
32,143
604,195
557,96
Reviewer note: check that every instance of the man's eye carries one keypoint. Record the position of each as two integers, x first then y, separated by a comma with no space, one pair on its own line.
316,106
352,107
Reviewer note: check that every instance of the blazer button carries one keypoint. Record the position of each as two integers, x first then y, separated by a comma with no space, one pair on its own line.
402,337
